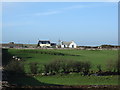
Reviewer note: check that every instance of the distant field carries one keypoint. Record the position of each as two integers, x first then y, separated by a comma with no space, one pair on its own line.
45,56
30,45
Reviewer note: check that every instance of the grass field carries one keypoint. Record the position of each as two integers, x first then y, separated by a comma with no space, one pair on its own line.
94,56
76,79
72,79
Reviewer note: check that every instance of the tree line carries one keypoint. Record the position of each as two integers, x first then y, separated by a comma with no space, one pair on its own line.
63,67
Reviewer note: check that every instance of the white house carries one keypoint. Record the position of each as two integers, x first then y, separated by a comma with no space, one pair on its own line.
71,44
44,43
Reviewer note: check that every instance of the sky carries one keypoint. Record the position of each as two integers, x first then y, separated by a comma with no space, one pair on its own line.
86,23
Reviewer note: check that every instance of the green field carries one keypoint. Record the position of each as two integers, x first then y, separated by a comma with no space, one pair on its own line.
72,79
76,79
96,57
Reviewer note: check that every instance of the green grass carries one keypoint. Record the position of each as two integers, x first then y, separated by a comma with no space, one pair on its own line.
94,56
70,79
76,79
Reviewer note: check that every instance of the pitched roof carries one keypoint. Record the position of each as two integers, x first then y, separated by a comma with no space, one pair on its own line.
44,42
66,43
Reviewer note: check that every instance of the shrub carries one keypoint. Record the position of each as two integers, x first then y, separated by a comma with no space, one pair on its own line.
77,66
111,65
52,67
15,67
33,67
86,67
67,66
117,66
99,68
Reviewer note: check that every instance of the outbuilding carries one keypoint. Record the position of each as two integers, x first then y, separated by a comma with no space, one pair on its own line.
71,44
44,43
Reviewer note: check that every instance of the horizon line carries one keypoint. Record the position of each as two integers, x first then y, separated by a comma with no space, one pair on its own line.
55,42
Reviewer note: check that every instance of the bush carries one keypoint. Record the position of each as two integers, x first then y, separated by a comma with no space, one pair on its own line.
117,66
79,66
67,66
86,67
15,67
99,68
111,65
33,67
52,67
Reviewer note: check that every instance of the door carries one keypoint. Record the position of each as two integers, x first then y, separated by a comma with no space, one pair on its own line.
72,46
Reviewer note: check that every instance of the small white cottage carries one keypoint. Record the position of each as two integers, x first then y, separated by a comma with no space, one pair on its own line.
44,43
71,44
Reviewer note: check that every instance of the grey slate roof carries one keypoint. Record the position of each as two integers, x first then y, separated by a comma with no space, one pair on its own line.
43,42
66,43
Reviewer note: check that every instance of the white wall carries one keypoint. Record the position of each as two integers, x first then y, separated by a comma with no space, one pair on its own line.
45,45
72,44
62,46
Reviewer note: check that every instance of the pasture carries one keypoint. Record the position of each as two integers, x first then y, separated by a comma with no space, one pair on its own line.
70,79
43,56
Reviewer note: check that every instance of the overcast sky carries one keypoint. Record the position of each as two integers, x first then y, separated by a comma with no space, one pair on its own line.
85,23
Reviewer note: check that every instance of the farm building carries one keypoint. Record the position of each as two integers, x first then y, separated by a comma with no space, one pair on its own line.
54,45
71,44
44,43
